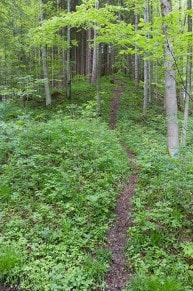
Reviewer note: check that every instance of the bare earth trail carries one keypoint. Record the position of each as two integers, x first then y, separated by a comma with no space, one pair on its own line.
118,274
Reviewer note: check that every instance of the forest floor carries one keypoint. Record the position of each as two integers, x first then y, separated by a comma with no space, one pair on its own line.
3,288
118,274
151,234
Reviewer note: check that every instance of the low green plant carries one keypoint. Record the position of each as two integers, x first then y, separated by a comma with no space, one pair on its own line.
9,257
144,282
159,240
60,183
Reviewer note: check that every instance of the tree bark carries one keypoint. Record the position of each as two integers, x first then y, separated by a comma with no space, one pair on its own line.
150,63
180,90
89,54
46,79
94,61
45,65
146,64
188,80
136,55
68,65
170,87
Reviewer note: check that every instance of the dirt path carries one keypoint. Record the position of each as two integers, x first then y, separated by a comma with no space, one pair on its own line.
3,288
118,274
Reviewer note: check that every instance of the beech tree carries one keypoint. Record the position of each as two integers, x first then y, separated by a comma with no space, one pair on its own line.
45,65
188,78
136,55
68,67
146,63
170,86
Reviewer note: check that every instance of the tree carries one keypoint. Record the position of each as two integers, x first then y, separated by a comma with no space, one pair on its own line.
146,67
45,65
95,52
136,55
188,78
170,86
68,65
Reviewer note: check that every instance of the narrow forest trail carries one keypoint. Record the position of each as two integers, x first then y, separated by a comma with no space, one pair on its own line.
118,274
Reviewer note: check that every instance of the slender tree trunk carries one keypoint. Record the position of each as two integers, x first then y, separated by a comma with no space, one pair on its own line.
119,13
89,54
58,4
150,78
136,55
45,65
188,79
145,88
82,53
181,60
146,64
46,79
156,79
150,63
64,66
52,66
94,61
170,87
108,64
95,78
97,67
68,65
98,81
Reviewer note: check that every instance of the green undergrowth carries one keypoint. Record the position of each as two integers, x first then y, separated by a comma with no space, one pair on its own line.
160,248
82,104
59,179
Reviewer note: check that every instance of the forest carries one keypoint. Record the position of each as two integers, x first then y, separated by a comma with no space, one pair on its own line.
96,145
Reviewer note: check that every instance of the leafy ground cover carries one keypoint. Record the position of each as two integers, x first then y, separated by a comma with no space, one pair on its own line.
160,249
60,175
60,171
82,103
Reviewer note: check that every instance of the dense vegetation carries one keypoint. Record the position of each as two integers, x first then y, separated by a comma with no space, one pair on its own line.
59,181
61,171
160,248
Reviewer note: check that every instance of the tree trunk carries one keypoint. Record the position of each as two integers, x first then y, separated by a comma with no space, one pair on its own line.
188,79
46,79
146,64
98,81
170,87
180,90
150,63
94,61
68,65
96,66
83,52
150,78
45,65
89,54
136,55
145,88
